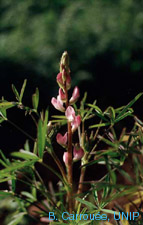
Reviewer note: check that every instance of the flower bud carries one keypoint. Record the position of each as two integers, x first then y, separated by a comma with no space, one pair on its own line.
64,75
58,104
75,95
76,123
62,95
62,140
65,158
68,82
78,153
70,113
60,80
65,59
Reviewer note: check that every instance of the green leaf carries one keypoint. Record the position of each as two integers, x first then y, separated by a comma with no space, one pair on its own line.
59,117
111,113
123,116
42,133
25,155
28,195
4,158
97,109
89,204
129,105
110,143
27,146
17,218
3,115
15,166
3,163
45,122
5,194
40,139
99,125
35,99
15,92
6,105
110,211
22,90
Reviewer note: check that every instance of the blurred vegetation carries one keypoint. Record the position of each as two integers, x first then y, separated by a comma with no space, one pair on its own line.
34,33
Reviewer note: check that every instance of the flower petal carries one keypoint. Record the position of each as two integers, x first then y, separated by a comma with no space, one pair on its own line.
62,140
70,113
76,123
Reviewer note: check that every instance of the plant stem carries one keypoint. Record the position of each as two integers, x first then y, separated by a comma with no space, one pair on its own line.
69,169
81,179
70,163
56,159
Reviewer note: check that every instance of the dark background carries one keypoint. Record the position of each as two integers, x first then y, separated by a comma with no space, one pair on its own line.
104,40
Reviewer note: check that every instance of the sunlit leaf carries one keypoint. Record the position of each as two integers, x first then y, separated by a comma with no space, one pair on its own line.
22,90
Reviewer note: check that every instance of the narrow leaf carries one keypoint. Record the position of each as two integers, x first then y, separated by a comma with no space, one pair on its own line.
22,90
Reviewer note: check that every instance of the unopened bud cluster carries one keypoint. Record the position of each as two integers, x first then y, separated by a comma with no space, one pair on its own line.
63,104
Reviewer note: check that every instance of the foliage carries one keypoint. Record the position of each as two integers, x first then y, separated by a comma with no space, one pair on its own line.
100,147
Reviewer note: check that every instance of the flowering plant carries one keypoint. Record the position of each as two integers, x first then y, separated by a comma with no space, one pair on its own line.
86,144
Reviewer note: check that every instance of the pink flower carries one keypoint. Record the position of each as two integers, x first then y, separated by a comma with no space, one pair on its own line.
70,113
75,120
75,95
62,140
61,82
58,104
65,158
62,95
78,153
76,123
